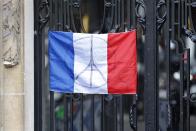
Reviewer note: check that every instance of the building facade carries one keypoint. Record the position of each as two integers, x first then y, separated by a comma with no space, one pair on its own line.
16,65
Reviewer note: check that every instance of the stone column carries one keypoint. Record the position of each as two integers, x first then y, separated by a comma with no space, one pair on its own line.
11,66
29,64
1,72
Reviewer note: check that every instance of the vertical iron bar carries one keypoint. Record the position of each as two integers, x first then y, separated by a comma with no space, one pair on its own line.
116,112
104,18
182,14
172,20
167,43
82,123
72,17
179,22
68,13
56,14
128,14
112,15
182,92
52,111
64,22
134,26
102,113
115,13
71,113
36,60
38,70
121,114
65,114
51,23
151,69
188,91
119,12
122,15
182,57
93,112
133,15
64,15
60,8
185,11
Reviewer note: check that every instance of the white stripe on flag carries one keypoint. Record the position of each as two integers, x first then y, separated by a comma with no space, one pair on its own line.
91,50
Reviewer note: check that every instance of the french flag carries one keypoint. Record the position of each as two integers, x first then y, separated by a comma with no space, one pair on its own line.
93,63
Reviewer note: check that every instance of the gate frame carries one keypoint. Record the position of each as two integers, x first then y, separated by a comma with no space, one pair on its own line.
151,99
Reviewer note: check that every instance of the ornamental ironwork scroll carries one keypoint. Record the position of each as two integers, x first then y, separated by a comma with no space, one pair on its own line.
43,13
140,13
161,13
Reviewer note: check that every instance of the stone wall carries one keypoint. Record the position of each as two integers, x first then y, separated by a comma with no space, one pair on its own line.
11,66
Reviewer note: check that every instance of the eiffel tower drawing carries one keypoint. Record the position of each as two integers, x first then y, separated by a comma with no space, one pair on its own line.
92,70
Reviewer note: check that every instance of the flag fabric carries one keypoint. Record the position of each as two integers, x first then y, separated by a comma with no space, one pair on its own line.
93,63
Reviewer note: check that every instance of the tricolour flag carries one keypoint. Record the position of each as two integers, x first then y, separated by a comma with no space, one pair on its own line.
93,63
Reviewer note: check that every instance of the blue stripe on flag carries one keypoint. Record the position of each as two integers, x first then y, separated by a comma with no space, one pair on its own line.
61,60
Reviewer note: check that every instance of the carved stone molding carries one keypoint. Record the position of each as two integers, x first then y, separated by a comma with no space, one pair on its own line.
11,32
11,65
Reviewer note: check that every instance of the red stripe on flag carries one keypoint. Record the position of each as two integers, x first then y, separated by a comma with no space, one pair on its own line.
122,63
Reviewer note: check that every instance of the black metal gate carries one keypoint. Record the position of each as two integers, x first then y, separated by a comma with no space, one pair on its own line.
163,28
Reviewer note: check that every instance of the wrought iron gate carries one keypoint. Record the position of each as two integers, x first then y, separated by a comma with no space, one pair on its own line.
163,26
